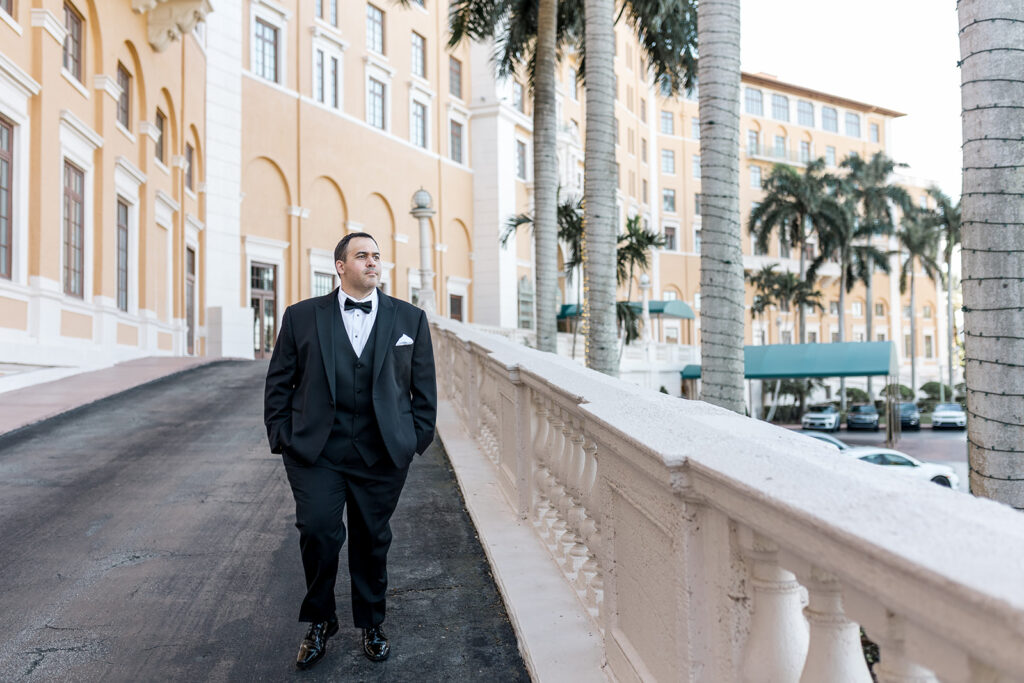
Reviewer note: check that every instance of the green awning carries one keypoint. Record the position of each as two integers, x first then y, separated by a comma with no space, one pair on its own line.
840,359
670,309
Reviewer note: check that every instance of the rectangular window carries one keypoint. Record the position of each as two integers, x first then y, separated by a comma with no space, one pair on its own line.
334,12
880,336
926,312
643,110
667,123
852,124
455,77
643,150
858,309
668,161
6,197
323,283
574,85
518,100
835,337
670,238
643,190
754,101
334,82
73,48
805,113
812,337
780,107
696,241
265,53
122,255
319,9
190,154
928,351
376,108
124,102
668,200
161,125
374,29
456,141
74,229
833,307
190,300
783,248
629,138
755,177
753,142
419,55
520,159
879,310
805,151
695,165
696,204
829,119
318,76
7,6
906,345
455,307
695,128
830,155
906,312
419,124
780,146
873,132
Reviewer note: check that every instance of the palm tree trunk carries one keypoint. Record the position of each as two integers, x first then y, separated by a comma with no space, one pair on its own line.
913,334
992,207
870,314
599,189
545,178
721,262
629,296
842,328
801,319
949,326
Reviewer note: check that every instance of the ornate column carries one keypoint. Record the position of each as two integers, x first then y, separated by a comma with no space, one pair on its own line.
423,212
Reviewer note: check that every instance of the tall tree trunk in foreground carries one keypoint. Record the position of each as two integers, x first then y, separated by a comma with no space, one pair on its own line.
721,257
545,178
992,206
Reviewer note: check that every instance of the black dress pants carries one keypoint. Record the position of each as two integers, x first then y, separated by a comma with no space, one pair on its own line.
322,491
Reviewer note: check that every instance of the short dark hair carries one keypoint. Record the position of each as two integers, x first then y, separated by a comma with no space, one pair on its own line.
341,251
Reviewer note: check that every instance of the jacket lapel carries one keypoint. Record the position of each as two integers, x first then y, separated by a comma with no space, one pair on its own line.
325,334
385,324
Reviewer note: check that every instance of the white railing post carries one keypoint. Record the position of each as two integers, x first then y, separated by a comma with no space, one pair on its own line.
893,664
834,651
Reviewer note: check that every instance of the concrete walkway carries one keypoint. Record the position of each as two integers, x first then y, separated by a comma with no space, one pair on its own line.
150,536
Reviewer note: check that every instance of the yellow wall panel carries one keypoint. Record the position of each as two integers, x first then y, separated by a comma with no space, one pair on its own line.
13,313
128,335
75,325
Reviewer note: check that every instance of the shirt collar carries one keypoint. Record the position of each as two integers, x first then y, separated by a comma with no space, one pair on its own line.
371,297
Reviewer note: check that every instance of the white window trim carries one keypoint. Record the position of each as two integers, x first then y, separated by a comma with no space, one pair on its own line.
16,89
419,91
527,165
165,208
321,261
674,225
271,252
457,286
332,46
193,226
376,67
661,161
675,210
412,277
78,142
277,16
127,181
458,114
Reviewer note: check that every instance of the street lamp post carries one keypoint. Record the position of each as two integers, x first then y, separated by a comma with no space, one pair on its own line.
422,211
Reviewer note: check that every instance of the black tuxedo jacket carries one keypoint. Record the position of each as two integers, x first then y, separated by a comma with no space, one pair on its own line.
300,392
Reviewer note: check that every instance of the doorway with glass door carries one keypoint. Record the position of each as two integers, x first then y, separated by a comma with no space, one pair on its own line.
263,280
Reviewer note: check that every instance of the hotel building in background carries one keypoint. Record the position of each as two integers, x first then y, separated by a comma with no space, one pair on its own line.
173,177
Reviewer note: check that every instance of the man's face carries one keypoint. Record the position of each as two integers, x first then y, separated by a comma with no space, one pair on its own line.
360,271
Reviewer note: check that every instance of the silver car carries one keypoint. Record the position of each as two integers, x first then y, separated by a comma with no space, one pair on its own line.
821,417
949,415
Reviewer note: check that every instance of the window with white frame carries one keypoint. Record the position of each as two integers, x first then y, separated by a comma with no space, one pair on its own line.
419,55
456,135
667,123
780,107
695,128
323,283
418,124
852,124
805,113
374,29
668,200
695,165
753,142
74,41
668,161
6,199
518,97
670,237
520,159
858,309
830,119
805,151
454,77
780,146
830,155
696,204
266,50
873,132
754,101
755,177
376,104
669,295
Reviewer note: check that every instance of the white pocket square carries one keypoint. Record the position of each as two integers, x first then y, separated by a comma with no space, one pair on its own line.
404,341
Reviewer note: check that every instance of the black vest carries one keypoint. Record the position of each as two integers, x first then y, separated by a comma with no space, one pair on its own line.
355,432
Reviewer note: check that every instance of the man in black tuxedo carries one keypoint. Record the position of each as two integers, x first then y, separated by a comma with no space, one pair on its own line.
350,398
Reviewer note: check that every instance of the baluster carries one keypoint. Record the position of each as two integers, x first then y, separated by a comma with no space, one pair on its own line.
834,653
777,644
893,664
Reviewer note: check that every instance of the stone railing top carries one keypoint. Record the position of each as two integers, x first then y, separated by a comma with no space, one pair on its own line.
937,556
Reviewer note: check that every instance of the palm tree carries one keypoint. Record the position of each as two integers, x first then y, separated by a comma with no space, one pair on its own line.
867,184
990,65
792,203
632,254
918,240
721,258
946,217
764,282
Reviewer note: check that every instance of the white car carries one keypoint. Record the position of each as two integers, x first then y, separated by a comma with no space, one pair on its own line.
821,417
905,464
829,439
949,415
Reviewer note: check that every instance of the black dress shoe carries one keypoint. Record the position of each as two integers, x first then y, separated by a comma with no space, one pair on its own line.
314,645
375,644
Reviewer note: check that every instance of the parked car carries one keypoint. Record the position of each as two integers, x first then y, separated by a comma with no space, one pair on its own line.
910,416
829,439
944,475
862,417
949,415
821,417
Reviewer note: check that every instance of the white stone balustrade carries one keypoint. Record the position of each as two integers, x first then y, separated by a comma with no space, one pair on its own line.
711,547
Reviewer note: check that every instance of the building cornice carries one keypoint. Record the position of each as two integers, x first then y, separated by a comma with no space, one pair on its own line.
150,130
325,34
76,124
131,169
47,20
766,81
108,85
18,77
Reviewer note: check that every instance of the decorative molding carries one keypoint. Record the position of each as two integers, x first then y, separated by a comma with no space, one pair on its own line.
178,161
285,13
401,238
108,85
76,124
131,169
18,77
456,108
168,20
125,132
323,33
441,247
379,63
422,86
298,211
47,20
194,223
9,20
166,207
75,83
265,242
150,130
201,187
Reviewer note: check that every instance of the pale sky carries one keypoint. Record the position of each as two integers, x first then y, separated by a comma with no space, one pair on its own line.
897,54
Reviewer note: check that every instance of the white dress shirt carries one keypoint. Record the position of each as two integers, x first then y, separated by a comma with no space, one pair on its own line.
358,324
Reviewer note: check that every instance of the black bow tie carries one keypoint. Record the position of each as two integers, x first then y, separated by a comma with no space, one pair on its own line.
364,306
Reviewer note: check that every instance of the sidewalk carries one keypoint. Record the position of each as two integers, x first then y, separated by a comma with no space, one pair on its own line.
23,407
